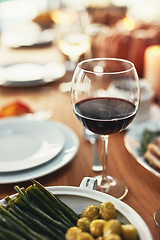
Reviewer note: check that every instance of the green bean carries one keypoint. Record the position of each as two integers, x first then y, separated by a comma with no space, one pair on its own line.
35,214
12,204
19,201
3,237
6,234
73,216
19,226
47,205
40,228
39,212
4,223
35,223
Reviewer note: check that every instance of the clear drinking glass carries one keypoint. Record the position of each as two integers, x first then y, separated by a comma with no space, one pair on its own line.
71,21
73,41
105,96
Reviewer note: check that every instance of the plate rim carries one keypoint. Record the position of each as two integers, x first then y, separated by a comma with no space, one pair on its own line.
15,120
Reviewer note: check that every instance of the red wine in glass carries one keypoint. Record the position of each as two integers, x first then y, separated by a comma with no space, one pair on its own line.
105,116
105,96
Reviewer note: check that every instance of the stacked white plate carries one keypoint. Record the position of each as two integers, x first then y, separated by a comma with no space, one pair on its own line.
29,74
32,148
26,34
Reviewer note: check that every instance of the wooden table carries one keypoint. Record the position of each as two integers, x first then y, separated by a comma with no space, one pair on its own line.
144,187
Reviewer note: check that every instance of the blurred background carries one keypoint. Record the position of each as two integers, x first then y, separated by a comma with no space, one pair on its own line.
105,28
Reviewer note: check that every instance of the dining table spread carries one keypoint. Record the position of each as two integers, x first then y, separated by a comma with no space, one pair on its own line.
143,186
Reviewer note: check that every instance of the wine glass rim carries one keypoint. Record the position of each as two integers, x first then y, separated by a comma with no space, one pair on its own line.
102,59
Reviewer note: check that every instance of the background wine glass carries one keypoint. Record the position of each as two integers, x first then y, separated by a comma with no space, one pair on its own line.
105,97
71,24
73,41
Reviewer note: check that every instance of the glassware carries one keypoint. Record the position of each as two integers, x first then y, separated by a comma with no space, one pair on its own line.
71,22
73,41
105,96
73,44
157,217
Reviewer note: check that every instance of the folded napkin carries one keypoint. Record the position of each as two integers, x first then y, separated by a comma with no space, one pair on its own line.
14,109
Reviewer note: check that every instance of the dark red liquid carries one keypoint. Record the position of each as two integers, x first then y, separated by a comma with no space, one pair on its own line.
105,116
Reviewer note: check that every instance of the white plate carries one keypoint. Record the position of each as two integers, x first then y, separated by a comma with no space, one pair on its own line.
152,114
78,198
27,74
132,142
65,156
27,35
27,143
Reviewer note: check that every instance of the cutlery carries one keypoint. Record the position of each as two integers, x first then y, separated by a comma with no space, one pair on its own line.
157,218
92,139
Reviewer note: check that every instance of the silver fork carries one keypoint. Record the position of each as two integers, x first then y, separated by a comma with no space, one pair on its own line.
92,138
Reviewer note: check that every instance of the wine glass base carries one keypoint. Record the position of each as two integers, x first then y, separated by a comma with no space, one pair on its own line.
112,186
157,218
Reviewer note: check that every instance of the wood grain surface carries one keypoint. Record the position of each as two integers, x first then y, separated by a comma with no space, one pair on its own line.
144,187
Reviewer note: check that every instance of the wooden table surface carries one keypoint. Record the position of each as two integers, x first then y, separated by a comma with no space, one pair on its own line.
144,187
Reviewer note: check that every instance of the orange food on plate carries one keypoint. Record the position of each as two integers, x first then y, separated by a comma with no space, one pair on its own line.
14,109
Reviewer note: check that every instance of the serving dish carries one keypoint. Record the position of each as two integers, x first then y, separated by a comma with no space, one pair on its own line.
132,142
78,198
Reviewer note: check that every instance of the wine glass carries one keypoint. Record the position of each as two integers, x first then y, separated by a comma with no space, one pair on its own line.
73,41
105,96
157,217
71,22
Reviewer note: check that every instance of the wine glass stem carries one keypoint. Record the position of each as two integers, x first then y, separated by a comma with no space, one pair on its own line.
72,63
105,139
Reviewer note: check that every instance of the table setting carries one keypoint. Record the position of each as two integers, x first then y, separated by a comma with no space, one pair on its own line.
53,161
54,124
